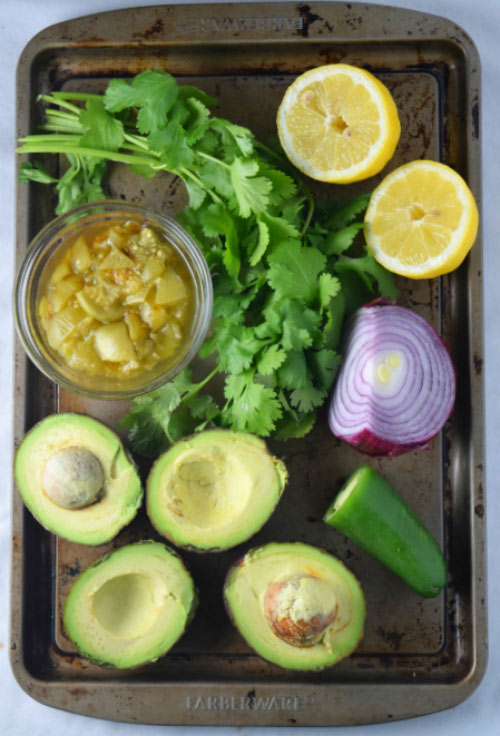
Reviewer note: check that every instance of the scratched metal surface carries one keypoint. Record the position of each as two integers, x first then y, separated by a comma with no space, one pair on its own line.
431,653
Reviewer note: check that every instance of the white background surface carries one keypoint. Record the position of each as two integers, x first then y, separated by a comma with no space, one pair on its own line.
20,20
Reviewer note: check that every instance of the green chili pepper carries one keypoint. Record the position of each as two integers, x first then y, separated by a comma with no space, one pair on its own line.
369,511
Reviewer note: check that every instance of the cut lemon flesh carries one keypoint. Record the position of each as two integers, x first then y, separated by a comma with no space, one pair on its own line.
338,123
422,220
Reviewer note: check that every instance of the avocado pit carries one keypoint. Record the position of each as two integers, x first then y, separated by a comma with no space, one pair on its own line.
300,609
73,477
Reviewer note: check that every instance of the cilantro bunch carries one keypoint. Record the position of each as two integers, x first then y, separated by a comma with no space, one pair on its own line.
286,269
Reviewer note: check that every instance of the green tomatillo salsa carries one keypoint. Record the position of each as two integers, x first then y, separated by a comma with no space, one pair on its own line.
117,301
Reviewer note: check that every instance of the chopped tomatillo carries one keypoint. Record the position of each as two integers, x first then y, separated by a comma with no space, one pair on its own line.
117,300
371,512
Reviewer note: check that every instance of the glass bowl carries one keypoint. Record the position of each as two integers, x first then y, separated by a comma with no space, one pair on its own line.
63,362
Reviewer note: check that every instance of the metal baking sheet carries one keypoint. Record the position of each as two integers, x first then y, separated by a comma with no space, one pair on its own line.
417,655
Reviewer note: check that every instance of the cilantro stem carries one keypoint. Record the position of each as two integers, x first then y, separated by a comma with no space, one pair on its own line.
76,96
310,211
287,406
68,126
212,158
186,173
61,103
56,137
62,115
77,150
198,386
139,141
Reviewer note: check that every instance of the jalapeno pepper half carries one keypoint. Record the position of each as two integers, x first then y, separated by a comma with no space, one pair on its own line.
372,514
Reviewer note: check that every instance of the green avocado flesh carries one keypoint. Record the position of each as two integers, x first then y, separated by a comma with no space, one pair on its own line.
76,478
214,490
131,606
296,605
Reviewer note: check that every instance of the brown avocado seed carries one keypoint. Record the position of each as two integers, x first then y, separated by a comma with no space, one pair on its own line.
300,609
73,477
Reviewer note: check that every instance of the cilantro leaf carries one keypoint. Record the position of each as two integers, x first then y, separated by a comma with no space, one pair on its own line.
294,270
279,228
344,214
170,141
237,349
340,240
196,194
262,243
252,407
216,220
102,130
153,92
35,172
329,286
334,314
307,398
217,178
270,360
324,364
295,425
293,372
189,92
283,186
301,326
80,183
148,420
226,305
160,417
366,267
241,137
198,120
251,191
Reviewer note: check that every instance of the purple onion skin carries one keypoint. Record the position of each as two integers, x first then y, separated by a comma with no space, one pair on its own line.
368,442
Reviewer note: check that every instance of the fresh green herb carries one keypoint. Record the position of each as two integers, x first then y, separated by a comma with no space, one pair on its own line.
285,269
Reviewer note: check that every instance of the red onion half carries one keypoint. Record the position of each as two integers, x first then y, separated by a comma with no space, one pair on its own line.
396,387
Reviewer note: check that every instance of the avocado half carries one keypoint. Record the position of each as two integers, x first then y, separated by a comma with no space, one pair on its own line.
296,605
130,606
214,490
77,479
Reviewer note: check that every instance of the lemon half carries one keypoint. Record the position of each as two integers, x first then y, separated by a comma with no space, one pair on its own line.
338,123
422,220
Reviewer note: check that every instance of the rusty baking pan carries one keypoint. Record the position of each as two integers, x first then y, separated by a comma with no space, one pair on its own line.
417,655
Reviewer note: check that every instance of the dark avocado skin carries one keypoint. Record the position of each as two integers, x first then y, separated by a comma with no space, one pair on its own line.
233,571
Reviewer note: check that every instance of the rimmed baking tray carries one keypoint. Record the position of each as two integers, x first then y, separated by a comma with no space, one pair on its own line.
417,655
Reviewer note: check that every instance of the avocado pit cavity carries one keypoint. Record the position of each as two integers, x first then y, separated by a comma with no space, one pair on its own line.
300,609
128,605
73,477
202,489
